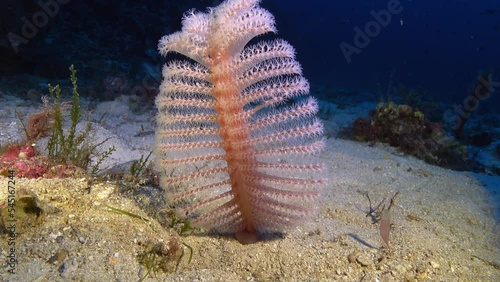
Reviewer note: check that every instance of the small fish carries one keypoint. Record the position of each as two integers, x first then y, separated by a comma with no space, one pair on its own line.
489,12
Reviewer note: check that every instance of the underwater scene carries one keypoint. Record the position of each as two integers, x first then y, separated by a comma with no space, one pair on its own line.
249,140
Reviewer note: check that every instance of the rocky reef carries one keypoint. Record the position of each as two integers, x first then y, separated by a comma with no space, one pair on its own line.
411,132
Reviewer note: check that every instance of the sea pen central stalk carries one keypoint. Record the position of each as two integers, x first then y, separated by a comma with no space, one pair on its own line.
235,135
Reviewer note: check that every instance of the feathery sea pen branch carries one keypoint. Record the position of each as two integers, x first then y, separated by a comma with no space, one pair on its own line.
235,144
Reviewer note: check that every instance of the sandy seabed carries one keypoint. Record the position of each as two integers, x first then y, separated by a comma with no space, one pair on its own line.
443,230
443,222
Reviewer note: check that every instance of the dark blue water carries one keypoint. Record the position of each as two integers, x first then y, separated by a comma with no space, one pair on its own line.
438,45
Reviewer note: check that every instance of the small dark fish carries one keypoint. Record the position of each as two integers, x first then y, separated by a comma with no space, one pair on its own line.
489,12
144,133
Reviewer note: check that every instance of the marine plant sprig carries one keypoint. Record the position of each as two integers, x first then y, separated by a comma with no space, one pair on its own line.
137,167
72,149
